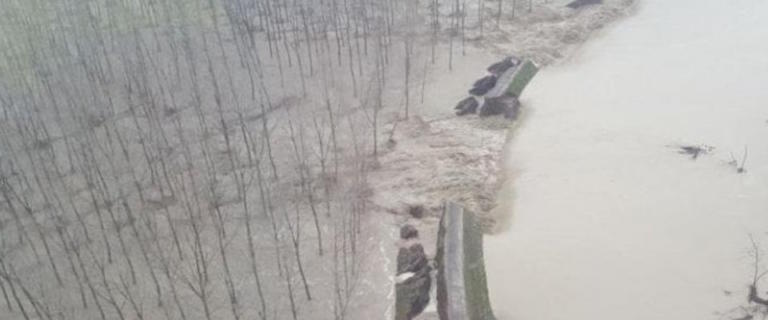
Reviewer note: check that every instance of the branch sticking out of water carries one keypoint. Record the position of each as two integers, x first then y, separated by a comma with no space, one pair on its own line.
739,167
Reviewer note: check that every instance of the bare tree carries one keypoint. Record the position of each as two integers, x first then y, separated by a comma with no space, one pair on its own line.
127,129
305,179
295,230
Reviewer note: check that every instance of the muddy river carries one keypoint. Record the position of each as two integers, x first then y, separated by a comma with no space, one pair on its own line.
609,220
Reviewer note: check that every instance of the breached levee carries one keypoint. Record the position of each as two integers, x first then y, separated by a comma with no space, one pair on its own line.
462,289
459,159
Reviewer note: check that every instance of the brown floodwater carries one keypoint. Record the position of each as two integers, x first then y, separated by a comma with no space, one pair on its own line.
608,220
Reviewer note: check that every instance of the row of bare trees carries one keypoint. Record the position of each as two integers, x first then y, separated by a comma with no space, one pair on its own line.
198,159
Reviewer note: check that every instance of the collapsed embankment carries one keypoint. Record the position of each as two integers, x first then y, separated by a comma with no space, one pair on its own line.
435,155
439,156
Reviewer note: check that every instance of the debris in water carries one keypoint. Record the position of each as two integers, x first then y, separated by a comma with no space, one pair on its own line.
694,151
739,167
408,232
483,85
416,211
500,90
466,106
502,66
414,276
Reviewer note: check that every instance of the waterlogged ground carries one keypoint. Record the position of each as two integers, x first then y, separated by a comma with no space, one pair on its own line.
609,221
